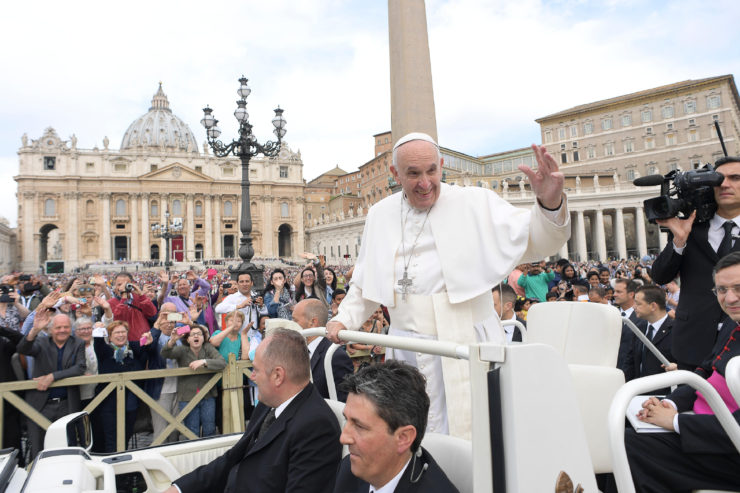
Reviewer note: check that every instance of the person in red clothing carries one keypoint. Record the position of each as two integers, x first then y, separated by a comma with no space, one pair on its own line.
131,305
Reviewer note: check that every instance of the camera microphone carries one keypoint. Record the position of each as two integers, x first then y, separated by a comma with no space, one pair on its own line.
648,181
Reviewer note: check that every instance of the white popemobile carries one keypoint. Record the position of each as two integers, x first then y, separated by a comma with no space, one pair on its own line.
567,360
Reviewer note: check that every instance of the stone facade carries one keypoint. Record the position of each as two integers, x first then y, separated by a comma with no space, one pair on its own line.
8,244
88,205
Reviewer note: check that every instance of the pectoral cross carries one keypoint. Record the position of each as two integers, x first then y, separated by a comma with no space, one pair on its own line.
405,283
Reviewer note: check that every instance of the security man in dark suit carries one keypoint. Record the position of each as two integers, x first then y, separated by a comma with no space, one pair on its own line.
624,300
386,413
696,454
505,310
291,442
650,307
691,252
58,356
311,313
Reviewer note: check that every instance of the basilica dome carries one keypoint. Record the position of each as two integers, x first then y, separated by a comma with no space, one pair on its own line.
159,128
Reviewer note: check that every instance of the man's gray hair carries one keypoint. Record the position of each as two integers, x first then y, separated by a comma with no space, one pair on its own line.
287,348
409,138
398,392
82,321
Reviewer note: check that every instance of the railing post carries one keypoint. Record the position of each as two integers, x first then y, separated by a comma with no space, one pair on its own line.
121,414
226,383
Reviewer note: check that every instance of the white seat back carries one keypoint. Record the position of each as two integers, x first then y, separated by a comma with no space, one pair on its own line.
541,422
455,456
583,333
337,408
595,388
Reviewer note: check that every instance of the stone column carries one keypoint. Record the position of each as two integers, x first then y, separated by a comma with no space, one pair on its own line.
145,252
217,227
412,97
619,235
28,261
208,246
105,250
190,238
600,243
300,243
134,221
581,237
640,230
268,228
163,206
72,253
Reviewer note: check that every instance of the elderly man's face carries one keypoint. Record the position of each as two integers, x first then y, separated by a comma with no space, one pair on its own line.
373,448
419,171
262,374
61,329
183,288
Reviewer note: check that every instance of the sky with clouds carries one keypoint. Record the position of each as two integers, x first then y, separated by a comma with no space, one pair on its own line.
90,68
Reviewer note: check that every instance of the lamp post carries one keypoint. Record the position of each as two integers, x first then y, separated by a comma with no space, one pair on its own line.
245,147
167,231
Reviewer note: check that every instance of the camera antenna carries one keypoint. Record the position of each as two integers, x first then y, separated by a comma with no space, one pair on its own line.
719,134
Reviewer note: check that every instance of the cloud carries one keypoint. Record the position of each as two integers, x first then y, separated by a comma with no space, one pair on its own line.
91,68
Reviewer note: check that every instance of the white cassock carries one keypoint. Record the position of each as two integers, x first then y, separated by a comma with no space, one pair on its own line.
471,240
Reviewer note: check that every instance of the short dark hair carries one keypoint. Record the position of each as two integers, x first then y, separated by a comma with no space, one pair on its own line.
203,330
337,292
123,273
592,273
653,294
562,262
726,159
244,274
630,285
398,392
506,292
287,348
727,261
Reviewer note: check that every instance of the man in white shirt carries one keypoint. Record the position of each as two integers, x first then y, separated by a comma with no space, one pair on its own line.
504,298
386,413
245,300
432,254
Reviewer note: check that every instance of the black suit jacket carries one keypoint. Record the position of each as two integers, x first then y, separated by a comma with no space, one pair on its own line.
637,367
340,363
698,314
45,353
299,453
432,480
626,341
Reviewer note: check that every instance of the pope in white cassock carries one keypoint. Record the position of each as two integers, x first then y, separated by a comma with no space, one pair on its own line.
432,254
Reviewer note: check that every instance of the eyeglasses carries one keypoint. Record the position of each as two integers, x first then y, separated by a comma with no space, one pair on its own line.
308,276
722,290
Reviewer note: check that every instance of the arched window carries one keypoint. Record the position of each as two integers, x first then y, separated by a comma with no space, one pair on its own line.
176,208
228,208
284,210
198,209
49,207
120,207
89,208
154,209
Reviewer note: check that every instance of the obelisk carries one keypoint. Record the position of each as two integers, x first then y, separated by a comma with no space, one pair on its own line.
412,97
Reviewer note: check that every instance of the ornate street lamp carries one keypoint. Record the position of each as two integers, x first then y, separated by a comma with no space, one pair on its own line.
245,147
167,231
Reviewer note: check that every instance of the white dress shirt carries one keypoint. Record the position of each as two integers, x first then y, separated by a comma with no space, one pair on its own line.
390,486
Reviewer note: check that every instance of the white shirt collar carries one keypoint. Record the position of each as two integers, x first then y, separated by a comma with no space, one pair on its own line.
658,324
628,312
281,407
313,345
390,486
717,222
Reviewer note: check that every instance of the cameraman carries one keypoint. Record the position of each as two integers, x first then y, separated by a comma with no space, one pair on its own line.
691,252
131,305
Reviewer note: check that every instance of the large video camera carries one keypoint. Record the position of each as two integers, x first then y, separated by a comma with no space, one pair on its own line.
682,193
693,191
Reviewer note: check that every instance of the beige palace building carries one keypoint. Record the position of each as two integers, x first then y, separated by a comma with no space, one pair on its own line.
90,205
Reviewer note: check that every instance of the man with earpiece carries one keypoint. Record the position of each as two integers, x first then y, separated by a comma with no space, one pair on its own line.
386,412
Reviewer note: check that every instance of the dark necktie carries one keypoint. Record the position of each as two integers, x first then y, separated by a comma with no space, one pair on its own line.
726,245
268,421
650,334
